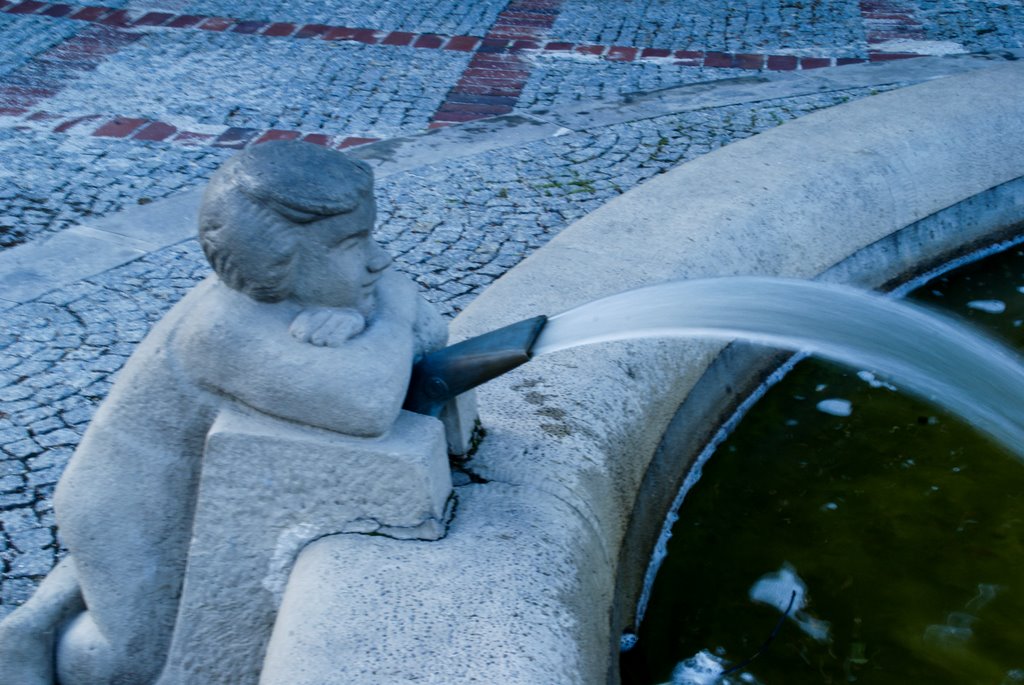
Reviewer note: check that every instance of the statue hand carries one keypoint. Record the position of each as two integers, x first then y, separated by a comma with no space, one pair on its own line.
327,326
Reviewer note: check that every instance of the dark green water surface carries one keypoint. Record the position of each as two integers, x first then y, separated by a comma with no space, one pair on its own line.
906,526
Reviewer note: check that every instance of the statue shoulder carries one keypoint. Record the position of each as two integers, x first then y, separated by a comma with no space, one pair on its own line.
217,321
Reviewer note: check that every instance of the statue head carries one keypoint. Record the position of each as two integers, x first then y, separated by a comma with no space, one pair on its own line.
287,220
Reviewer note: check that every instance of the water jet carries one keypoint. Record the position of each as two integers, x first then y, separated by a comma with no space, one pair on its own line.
939,359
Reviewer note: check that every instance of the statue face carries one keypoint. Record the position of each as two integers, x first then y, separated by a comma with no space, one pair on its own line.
339,262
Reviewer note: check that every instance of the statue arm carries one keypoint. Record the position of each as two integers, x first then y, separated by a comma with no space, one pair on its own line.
356,388
431,329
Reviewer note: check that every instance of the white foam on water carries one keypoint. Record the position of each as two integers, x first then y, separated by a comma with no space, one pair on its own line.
946,635
778,589
986,593
835,407
989,306
959,625
703,668
1015,675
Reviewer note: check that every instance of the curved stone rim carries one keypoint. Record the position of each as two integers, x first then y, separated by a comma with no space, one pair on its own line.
529,587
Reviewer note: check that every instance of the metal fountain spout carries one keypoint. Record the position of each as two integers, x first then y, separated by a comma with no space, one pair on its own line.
446,373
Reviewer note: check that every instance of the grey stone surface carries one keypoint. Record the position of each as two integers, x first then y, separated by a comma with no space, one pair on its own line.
24,37
452,17
564,80
299,484
480,627
50,182
766,87
161,223
69,256
456,242
974,24
442,145
169,221
830,26
338,87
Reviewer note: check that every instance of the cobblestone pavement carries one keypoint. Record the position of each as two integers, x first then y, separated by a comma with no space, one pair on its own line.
57,181
451,17
820,27
107,107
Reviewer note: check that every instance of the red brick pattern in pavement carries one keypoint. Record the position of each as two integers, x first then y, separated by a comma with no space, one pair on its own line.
495,77
490,85
886,20
521,26
47,73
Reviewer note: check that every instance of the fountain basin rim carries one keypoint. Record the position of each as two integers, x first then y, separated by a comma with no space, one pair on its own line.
538,574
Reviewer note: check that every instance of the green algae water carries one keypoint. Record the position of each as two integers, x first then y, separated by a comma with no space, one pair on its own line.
897,529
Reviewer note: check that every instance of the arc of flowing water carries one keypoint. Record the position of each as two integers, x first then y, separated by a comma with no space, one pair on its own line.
934,357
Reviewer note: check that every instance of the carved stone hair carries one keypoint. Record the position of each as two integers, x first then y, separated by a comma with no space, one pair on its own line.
240,227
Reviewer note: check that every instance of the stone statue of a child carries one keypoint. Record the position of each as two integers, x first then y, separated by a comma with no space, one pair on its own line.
304,320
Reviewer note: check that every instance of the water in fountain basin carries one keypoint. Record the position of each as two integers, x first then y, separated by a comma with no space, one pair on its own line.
936,358
900,528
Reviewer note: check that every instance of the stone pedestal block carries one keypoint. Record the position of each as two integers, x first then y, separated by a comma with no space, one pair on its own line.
268,488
